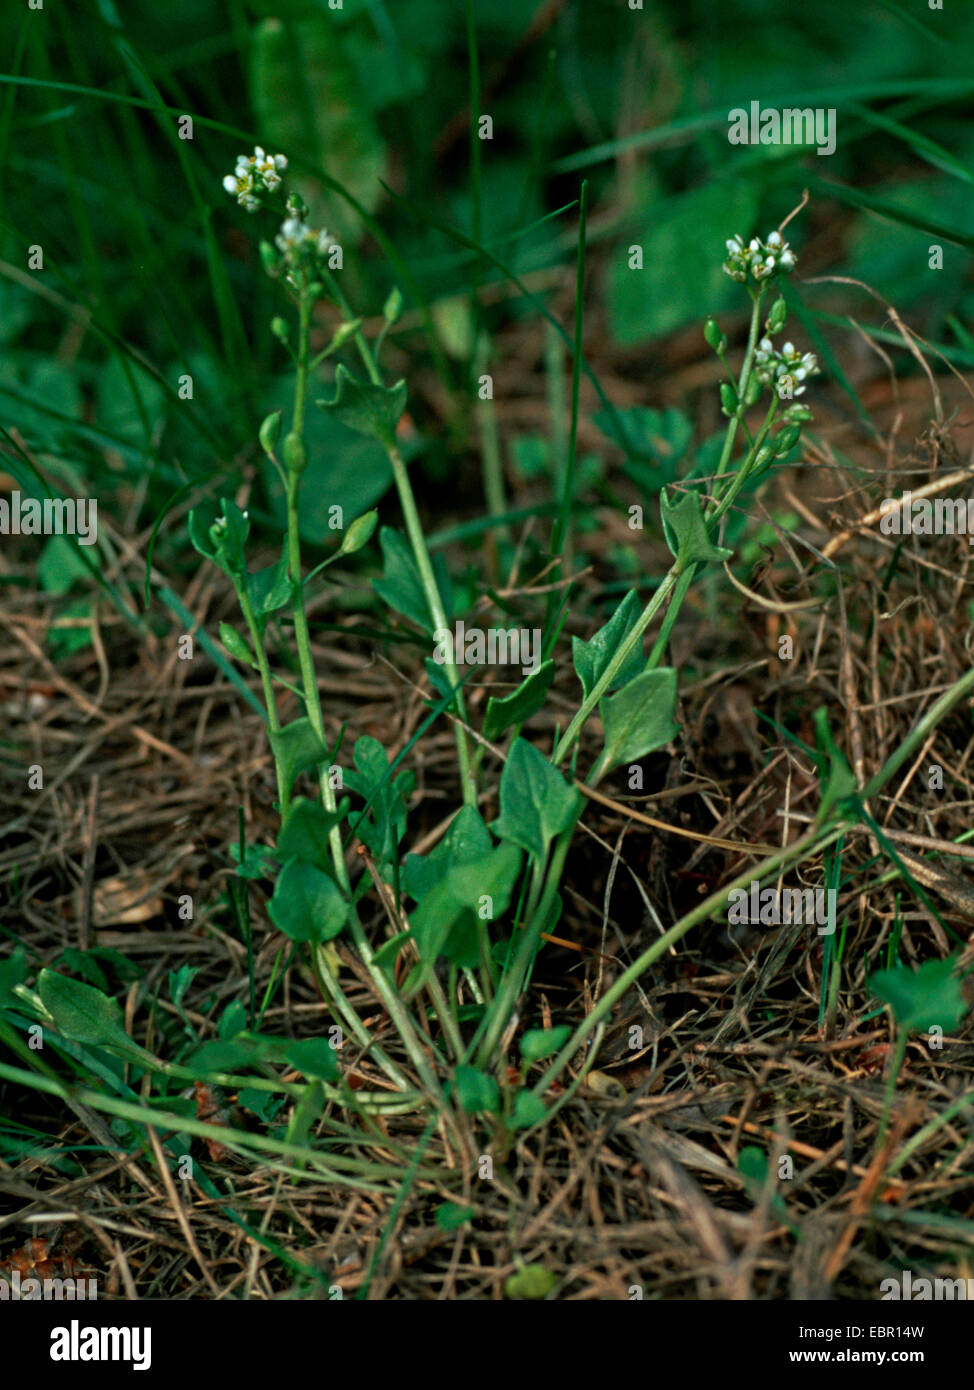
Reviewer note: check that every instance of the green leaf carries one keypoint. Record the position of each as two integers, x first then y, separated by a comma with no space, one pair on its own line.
466,840
639,717
269,589
929,997
308,102
400,586
536,802
84,1014
538,1043
307,905
687,231
304,834
314,1058
841,785
686,530
518,707
259,861
532,1282
296,747
447,921
383,825
345,469
237,645
450,1216
13,972
592,657
477,1091
365,407
528,1110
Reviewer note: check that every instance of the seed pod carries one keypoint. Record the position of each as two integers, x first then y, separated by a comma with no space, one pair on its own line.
728,398
270,259
270,431
279,328
787,439
295,454
393,305
752,390
778,316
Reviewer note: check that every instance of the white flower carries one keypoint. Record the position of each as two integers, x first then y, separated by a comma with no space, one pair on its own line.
253,175
759,260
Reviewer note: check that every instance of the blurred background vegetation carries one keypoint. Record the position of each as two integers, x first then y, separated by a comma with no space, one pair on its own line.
151,271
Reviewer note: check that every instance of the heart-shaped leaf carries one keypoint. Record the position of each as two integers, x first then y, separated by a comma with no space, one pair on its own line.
516,708
592,657
686,530
307,905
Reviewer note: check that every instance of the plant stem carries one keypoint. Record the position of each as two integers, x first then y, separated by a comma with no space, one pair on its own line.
899,1052
266,680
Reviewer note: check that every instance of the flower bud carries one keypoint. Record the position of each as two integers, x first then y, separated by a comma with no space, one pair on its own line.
270,431
295,454
279,328
393,305
777,316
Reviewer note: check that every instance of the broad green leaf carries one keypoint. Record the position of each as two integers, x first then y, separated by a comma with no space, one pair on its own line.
304,834
269,589
536,802
84,1014
532,1282
308,103
591,658
688,232
538,1043
929,997
528,1110
365,407
296,747
447,922
345,469
314,1058
307,905
686,530
639,717
518,707
477,1091
400,586
237,1053
466,840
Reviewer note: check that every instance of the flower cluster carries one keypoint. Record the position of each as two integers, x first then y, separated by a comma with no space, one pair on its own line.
758,260
785,369
298,242
255,174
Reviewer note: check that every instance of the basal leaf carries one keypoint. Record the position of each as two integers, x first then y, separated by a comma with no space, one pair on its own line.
307,904
536,801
